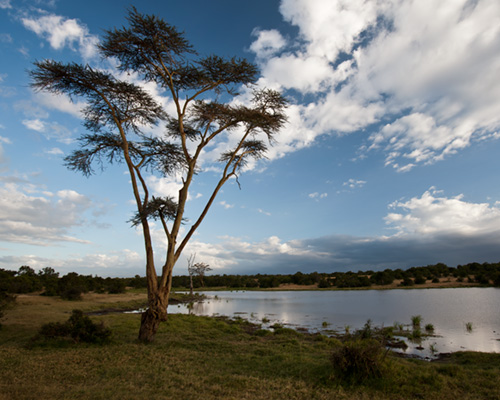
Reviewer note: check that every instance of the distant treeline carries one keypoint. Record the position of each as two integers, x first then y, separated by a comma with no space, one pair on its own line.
72,285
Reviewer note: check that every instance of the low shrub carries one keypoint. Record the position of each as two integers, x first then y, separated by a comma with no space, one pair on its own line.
72,293
357,360
78,327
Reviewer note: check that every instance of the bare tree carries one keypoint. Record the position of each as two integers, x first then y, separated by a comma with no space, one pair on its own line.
118,113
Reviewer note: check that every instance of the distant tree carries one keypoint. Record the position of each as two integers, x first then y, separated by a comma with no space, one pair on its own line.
198,269
119,112
49,278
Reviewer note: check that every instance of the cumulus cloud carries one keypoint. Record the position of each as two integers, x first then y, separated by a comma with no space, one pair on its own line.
4,4
433,214
63,32
268,42
39,218
421,74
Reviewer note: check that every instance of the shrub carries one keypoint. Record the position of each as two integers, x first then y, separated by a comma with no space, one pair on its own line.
72,293
367,331
116,286
416,320
357,360
79,328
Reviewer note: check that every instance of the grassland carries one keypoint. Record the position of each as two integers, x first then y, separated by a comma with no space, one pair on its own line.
208,358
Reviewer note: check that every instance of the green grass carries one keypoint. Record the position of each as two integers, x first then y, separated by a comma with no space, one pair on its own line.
210,358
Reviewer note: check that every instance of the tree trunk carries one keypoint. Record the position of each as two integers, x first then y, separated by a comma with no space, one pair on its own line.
153,316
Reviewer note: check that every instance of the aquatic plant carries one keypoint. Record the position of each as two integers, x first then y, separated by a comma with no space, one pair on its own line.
469,327
416,320
429,328
415,335
399,326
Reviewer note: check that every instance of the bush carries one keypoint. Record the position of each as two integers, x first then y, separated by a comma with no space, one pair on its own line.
72,293
357,360
116,286
79,328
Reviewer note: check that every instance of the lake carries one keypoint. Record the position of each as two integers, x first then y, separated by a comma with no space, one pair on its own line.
451,311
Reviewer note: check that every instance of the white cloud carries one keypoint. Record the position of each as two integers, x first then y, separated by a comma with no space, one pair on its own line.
268,42
34,124
306,74
226,205
51,130
61,32
2,154
354,183
123,263
55,151
60,103
317,195
264,212
431,214
427,70
31,217
4,4
232,251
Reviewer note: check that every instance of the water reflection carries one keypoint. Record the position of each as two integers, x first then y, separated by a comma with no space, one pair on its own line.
449,310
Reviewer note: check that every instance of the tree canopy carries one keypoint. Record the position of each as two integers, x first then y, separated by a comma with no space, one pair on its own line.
120,113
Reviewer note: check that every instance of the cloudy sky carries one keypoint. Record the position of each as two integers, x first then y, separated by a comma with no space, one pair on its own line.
389,159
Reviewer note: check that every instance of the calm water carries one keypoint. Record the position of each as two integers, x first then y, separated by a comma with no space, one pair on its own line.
447,309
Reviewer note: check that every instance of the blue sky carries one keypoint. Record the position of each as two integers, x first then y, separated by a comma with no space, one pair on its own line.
389,159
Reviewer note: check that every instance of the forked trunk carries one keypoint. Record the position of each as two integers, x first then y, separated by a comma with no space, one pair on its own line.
152,317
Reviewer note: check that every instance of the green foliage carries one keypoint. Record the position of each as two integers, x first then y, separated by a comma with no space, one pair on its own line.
72,293
367,331
416,320
79,328
357,360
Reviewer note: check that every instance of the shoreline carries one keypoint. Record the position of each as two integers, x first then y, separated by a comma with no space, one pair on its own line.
449,283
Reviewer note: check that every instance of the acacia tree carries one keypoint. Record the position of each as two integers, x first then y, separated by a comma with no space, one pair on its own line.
119,113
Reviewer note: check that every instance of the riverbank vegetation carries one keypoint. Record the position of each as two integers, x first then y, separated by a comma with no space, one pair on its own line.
216,358
71,286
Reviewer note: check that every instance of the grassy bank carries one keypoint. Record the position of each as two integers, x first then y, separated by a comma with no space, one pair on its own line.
209,358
